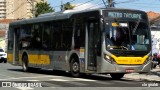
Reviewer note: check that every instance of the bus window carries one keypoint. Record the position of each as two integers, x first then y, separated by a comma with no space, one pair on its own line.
46,36
67,32
10,38
122,37
25,37
36,36
79,34
57,29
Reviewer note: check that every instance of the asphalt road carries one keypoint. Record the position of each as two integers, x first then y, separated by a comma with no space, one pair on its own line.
40,79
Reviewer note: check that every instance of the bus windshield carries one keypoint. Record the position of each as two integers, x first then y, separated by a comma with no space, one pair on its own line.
127,35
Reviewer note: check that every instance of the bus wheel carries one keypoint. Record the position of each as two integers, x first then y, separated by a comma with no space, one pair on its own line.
75,67
117,75
25,63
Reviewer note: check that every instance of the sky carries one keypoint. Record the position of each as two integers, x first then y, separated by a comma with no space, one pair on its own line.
145,5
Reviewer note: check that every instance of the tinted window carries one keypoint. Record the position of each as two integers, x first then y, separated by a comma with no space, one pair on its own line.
46,36
10,38
25,37
67,35
1,50
57,34
36,36
79,34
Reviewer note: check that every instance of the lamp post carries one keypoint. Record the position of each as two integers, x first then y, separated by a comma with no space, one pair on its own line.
110,3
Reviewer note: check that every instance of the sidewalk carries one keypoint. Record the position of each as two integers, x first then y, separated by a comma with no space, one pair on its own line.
153,75
156,71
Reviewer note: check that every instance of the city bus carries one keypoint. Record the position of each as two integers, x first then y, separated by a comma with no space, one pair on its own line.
95,41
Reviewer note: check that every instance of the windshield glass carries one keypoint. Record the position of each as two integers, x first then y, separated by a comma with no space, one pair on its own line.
1,50
127,35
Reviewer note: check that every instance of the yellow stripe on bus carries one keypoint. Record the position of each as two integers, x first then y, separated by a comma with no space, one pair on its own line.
9,57
130,60
33,59
39,59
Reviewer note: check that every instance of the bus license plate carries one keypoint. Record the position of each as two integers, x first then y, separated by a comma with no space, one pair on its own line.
129,70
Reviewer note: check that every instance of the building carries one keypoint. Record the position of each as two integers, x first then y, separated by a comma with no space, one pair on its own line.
4,23
152,15
2,8
20,9
17,9
11,10
155,31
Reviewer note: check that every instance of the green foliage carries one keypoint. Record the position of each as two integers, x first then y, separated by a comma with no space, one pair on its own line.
43,7
68,6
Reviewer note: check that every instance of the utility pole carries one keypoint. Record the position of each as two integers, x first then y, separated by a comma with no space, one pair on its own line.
62,5
104,3
110,3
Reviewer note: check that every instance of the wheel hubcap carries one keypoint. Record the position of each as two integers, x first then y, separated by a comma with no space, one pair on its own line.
24,66
75,67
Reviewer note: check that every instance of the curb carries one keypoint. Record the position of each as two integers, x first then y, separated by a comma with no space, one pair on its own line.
143,79
155,73
154,76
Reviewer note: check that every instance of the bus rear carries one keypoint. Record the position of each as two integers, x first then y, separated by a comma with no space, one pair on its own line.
126,44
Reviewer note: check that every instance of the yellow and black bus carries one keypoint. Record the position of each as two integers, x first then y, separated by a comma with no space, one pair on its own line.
107,41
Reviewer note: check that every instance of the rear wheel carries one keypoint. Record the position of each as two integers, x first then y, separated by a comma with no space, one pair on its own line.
25,63
117,75
75,67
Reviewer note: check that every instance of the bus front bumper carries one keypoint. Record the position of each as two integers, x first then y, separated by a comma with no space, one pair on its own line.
107,67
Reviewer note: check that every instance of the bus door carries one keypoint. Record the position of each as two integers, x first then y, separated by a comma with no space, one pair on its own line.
15,46
91,44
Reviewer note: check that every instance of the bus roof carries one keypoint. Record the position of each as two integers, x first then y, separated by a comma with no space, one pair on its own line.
62,15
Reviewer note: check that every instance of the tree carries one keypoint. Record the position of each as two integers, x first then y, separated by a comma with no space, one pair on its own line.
68,6
43,7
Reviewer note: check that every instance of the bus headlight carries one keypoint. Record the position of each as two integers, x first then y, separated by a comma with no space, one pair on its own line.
109,59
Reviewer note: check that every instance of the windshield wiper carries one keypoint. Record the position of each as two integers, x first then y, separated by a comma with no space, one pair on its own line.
117,47
123,47
137,24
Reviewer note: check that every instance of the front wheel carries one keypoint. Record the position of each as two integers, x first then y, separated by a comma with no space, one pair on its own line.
75,67
117,75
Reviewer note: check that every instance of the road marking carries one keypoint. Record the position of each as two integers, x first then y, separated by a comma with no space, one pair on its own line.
59,80
33,80
24,88
82,79
125,82
26,77
73,79
69,82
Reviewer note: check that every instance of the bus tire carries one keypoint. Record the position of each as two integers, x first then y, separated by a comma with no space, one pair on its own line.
75,67
1,61
25,63
117,75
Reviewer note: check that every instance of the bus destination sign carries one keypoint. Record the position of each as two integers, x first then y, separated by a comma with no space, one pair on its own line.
124,15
